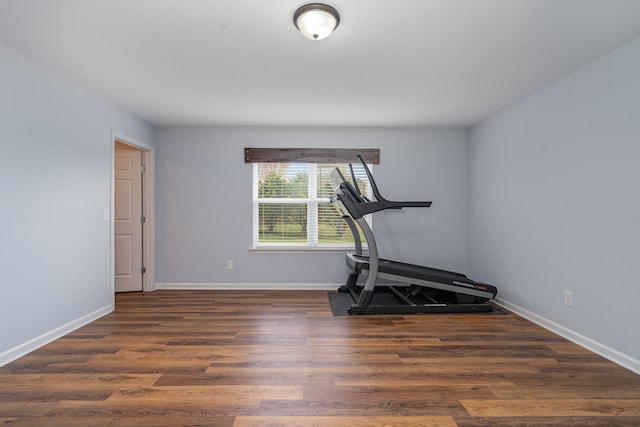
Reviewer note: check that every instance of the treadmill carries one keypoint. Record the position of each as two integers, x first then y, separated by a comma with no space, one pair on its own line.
407,288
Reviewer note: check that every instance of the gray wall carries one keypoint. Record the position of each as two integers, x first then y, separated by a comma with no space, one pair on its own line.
55,181
555,201
204,190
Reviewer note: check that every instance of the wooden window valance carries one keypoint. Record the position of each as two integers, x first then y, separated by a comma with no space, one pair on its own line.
311,155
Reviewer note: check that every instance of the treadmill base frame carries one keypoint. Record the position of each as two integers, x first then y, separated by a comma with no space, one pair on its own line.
404,304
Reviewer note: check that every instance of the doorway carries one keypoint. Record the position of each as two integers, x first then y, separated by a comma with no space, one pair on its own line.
132,216
128,218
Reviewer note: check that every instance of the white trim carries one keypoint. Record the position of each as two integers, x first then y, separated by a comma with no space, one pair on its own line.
250,286
44,339
255,234
148,154
112,237
583,341
130,141
149,256
302,248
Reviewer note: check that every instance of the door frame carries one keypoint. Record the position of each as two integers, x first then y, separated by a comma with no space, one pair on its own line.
148,233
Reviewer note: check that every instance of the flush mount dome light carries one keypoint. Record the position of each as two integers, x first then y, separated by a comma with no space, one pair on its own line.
316,20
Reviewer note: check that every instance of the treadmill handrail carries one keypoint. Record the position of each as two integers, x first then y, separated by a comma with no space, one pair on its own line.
380,198
353,202
355,184
358,205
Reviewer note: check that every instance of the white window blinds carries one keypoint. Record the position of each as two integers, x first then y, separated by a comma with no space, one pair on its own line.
291,205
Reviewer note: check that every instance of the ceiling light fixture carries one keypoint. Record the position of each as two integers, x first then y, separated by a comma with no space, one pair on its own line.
316,20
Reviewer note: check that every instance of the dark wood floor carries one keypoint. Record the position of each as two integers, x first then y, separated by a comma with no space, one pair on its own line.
275,358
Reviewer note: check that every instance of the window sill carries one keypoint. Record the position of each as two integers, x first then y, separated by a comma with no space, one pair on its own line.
301,249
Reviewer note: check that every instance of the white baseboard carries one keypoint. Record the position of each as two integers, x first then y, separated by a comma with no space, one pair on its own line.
251,286
34,344
609,353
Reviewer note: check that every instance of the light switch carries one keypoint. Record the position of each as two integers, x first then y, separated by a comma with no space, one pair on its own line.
106,214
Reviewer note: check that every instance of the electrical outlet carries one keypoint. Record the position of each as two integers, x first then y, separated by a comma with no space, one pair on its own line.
230,264
568,298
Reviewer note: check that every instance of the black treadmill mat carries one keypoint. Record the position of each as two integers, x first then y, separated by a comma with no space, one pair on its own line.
341,302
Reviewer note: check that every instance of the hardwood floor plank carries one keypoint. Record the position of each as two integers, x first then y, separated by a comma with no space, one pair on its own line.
549,421
15,408
125,421
54,387
141,410
470,361
381,379
565,347
400,394
553,408
211,394
561,391
374,407
249,376
359,342
318,421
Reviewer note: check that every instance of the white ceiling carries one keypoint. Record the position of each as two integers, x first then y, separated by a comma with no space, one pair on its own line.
242,62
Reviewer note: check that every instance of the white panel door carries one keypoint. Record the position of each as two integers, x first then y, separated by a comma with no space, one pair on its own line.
128,218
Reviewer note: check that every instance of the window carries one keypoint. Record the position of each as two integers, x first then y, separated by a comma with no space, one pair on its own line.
291,205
